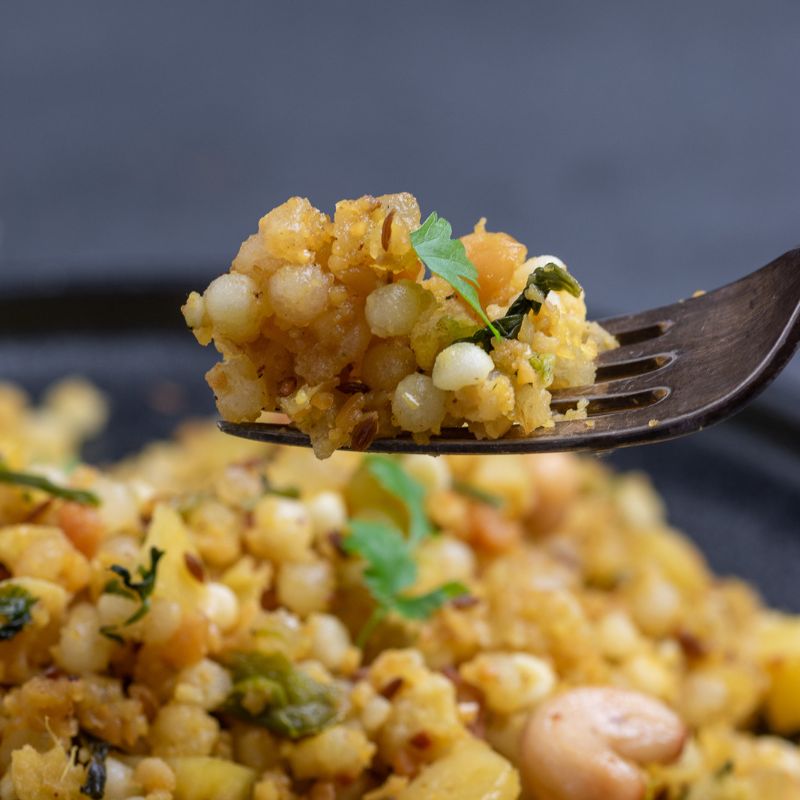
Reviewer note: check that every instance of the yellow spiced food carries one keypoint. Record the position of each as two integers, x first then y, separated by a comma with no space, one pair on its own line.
216,619
334,323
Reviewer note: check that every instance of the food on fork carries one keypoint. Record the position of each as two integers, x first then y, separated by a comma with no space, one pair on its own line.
375,323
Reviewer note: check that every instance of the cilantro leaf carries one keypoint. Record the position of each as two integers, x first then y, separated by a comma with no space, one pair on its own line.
45,485
411,492
389,570
423,605
542,281
15,609
447,258
390,567
134,590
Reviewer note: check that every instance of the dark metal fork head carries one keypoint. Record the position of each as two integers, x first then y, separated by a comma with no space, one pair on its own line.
679,368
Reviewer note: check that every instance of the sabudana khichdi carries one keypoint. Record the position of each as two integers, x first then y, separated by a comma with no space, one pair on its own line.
216,619
334,324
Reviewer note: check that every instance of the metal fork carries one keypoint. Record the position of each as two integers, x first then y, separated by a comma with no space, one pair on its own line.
679,369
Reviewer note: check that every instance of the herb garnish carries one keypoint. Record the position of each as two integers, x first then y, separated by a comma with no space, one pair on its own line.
447,258
32,481
15,609
270,691
95,784
134,590
474,493
549,278
411,492
390,567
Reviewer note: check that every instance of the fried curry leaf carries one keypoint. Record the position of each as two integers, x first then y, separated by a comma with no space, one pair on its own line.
270,691
543,280
139,591
390,569
447,258
95,784
43,484
409,491
15,610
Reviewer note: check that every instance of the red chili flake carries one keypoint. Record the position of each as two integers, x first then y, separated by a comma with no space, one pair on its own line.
287,387
364,431
392,688
195,566
386,230
421,740
353,387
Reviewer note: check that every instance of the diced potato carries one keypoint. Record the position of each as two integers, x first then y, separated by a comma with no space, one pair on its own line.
471,771
206,778
174,580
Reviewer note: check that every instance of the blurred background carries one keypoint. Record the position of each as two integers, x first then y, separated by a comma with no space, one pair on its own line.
654,147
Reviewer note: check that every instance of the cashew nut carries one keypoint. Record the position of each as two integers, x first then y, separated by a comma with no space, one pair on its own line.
587,744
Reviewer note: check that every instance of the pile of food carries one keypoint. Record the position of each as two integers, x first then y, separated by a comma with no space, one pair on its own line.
334,324
216,619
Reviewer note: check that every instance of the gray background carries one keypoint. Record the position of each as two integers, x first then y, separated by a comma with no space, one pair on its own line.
654,146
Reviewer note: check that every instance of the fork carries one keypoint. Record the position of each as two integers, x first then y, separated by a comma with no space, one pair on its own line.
678,369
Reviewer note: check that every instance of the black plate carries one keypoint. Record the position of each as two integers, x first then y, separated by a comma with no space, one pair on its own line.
735,489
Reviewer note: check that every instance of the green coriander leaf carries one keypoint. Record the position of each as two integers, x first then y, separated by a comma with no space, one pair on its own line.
411,492
549,278
390,567
423,605
15,609
32,481
134,590
268,690
447,258
474,493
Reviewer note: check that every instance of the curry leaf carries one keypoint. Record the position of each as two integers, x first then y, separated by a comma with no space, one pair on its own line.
15,610
542,281
95,784
139,591
45,485
270,691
